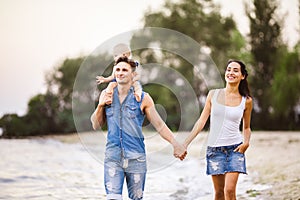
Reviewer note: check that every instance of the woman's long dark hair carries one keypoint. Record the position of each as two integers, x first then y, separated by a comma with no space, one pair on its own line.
243,86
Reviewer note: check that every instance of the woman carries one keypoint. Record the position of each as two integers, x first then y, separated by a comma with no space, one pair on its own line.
226,146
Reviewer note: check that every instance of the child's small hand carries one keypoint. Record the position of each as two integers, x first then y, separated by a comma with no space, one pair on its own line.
100,79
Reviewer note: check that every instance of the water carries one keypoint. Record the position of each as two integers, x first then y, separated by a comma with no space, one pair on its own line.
50,169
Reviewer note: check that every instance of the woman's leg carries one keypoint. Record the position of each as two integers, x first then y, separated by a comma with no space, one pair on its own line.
231,179
219,184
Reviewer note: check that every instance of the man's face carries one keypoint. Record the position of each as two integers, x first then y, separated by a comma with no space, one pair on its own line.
123,73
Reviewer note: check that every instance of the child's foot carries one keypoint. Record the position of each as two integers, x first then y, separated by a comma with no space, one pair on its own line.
137,97
110,87
108,91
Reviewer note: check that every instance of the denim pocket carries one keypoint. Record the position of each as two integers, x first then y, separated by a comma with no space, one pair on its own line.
210,152
137,165
109,111
141,159
237,152
131,111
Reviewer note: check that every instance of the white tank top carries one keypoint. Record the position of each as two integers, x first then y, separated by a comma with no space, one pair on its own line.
225,122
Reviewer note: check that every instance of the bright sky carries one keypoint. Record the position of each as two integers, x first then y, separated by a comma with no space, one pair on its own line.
37,35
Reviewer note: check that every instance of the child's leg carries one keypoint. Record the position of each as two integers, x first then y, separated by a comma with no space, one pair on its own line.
111,86
137,90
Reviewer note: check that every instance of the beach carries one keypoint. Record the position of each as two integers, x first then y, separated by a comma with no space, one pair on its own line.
273,163
274,160
71,167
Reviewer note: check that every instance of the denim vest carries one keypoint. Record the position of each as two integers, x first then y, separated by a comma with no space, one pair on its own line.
125,138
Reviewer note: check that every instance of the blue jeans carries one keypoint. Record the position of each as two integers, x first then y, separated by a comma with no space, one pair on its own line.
133,170
221,160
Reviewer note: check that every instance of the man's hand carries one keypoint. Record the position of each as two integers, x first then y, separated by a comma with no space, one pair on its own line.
98,117
105,98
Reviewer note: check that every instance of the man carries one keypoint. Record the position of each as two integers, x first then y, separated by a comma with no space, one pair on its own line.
125,156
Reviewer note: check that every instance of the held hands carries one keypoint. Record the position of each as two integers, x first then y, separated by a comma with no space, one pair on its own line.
179,151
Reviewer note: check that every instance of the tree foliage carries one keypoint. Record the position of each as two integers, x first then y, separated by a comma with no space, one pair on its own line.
285,92
201,21
52,112
265,39
276,70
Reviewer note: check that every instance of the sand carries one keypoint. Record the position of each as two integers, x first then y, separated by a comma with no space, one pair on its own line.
273,162
273,159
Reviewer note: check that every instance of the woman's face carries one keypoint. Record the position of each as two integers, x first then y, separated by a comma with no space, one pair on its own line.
233,73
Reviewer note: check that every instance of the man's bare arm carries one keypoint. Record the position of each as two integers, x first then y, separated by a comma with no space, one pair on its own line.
161,127
98,117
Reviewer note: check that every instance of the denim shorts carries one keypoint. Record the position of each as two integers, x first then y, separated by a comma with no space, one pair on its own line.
223,159
131,170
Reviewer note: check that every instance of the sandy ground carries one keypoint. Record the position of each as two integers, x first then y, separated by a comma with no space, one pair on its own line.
273,161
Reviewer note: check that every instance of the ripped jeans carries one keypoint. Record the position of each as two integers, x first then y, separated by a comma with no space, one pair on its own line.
133,170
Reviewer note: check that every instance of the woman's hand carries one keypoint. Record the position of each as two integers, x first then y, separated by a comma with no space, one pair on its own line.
242,148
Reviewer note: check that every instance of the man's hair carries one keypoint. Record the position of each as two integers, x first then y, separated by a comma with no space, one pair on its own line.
131,62
120,49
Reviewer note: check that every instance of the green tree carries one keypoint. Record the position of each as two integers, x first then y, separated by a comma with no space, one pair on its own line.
39,119
202,21
41,114
85,92
61,80
265,40
13,126
285,91
60,85
69,94
199,20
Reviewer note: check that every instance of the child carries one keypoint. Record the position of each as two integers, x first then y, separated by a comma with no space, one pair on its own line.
118,51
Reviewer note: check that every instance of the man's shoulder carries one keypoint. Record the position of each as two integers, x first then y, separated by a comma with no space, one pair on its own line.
147,100
146,96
